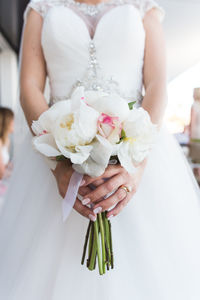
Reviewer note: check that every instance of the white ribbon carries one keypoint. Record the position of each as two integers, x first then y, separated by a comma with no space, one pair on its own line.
71,194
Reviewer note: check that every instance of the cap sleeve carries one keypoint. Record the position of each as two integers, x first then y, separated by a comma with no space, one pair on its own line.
147,5
40,7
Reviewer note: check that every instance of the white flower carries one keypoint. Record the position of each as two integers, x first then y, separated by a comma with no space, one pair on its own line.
67,128
140,136
98,160
110,104
87,127
75,131
109,128
113,111
47,119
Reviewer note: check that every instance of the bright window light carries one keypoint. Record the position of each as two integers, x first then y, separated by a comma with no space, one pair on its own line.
180,99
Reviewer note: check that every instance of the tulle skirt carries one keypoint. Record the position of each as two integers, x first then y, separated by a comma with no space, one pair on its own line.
156,238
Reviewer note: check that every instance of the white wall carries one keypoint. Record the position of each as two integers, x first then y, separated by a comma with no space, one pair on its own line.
182,30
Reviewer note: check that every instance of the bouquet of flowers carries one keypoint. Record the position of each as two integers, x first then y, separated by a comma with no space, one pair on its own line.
89,129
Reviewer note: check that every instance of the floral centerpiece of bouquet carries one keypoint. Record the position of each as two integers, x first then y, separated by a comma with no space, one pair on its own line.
89,129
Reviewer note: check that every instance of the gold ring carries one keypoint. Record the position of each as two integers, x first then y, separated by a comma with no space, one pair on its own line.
127,189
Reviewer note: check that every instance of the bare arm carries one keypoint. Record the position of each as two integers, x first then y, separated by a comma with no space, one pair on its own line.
154,72
33,70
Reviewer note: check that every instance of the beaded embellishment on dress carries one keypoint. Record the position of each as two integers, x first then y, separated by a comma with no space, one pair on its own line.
95,82
94,9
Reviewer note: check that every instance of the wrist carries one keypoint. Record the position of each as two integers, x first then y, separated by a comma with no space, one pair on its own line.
52,164
62,166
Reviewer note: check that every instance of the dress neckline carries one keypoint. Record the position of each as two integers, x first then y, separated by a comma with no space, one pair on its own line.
94,9
92,4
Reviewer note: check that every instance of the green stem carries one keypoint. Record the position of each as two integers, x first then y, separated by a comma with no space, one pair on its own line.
91,266
96,240
107,256
111,247
95,261
102,242
86,242
91,242
107,236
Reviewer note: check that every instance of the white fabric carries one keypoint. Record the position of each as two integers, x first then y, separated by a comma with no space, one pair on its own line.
75,51
143,6
156,237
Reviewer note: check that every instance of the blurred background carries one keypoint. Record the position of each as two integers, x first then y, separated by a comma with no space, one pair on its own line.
182,30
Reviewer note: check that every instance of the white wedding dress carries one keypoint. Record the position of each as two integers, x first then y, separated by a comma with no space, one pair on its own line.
157,236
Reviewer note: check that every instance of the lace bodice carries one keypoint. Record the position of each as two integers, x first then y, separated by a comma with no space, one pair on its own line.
100,46
42,6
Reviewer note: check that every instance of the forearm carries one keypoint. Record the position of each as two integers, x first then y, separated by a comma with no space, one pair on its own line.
155,68
155,101
33,102
33,70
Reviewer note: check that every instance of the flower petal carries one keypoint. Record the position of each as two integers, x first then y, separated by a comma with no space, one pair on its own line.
125,157
47,119
87,119
96,164
77,97
90,167
110,104
46,145
78,155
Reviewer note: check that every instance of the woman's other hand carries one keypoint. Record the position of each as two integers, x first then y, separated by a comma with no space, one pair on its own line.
111,182
63,173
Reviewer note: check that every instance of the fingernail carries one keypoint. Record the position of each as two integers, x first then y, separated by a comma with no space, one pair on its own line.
82,182
86,201
110,217
97,210
79,197
92,218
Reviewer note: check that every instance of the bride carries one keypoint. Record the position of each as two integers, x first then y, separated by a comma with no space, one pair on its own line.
109,45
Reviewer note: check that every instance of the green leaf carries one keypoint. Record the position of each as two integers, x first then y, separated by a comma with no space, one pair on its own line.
60,157
123,134
130,104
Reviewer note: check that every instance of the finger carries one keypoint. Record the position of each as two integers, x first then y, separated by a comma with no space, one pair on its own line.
104,189
110,171
98,182
84,210
118,208
84,190
111,201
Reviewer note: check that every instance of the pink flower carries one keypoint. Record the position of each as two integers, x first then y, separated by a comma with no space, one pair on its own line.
109,128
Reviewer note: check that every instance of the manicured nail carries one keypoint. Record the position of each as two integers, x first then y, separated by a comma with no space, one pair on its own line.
92,218
97,210
110,217
82,182
79,197
86,201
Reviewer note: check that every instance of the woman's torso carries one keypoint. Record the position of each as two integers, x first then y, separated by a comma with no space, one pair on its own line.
99,46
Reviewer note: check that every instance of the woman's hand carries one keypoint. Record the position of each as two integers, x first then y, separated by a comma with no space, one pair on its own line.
63,173
116,176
